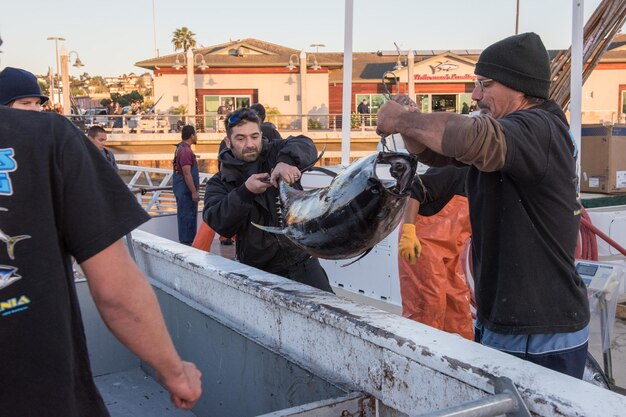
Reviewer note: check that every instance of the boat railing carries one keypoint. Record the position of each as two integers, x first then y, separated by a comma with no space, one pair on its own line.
153,188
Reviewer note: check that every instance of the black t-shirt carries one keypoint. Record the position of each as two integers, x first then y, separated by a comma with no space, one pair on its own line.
525,221
436,187
62,198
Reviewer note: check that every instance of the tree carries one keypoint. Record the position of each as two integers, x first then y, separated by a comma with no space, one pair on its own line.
182,39
97,81
45,90
126,99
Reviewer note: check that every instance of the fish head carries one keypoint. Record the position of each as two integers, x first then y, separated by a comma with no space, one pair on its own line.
402,168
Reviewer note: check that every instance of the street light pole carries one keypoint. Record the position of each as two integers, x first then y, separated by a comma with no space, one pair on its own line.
191,87
56,40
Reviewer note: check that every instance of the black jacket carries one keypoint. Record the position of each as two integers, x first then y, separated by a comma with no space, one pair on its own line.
230,208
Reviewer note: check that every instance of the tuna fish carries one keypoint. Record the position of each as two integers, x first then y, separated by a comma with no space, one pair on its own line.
352,214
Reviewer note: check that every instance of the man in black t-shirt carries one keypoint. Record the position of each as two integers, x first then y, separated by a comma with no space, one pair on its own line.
53,207
522,192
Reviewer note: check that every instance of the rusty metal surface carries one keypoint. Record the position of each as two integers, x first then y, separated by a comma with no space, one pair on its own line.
410,367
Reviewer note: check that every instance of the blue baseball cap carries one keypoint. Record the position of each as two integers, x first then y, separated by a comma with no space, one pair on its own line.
18,83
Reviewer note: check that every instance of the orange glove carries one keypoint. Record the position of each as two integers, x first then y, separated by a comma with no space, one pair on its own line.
409,246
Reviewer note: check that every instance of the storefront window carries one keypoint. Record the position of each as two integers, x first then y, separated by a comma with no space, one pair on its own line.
374,101
213,103
422,101
444,102
465,102
624,102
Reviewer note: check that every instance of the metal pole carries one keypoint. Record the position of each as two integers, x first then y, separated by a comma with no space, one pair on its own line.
411,81
517,18
576,82
606,340
191,88
346,111
493,406
156,51
303,90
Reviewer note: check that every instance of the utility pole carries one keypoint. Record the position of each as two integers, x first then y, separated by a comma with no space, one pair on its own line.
517,18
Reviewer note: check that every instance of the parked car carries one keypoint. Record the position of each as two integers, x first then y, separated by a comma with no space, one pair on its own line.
96,116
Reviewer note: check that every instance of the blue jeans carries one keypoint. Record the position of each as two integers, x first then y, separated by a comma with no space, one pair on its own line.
186,211
561,352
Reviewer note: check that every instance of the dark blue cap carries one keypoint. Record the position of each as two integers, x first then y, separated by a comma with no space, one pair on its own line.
17,83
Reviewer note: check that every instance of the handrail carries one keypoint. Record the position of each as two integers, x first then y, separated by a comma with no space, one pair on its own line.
153,187
213,122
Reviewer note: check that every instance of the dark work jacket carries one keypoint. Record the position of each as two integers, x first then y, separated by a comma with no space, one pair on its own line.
525,220
230,208
269,131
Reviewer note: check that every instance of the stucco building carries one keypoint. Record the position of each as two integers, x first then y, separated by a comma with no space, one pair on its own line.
294,83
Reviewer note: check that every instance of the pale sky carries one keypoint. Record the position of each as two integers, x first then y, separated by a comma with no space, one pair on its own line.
111,35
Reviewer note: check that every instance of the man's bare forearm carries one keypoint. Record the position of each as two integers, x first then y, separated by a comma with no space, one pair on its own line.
129,308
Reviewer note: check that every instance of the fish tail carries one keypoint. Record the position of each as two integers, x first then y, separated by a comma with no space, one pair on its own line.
11,244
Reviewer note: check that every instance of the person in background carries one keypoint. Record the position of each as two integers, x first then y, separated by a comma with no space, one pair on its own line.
186,184
19,89
98,136
524,208
267,129
363,109
244,191
117,113
434,232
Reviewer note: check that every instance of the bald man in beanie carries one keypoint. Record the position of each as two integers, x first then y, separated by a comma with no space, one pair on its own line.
522,192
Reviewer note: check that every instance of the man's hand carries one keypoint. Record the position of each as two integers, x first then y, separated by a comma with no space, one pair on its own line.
409,246
186,387
387,118
195,196
286,172
258,183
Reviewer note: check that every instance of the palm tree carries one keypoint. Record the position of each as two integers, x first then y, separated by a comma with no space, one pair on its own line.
183,39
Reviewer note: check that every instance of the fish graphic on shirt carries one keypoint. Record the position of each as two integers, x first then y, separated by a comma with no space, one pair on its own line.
11,241
8,276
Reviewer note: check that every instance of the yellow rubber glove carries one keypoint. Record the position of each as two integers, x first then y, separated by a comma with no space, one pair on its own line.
409,247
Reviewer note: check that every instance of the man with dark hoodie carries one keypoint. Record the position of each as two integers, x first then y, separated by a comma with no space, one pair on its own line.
522,192
245,191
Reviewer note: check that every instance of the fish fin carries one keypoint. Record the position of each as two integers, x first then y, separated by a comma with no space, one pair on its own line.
288,193
326,171
364,254
11,244
270,229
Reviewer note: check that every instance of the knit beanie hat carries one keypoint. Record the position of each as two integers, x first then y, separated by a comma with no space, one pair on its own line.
18,83
520,62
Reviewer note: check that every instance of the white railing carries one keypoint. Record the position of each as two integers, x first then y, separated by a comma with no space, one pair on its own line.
171,123
153,188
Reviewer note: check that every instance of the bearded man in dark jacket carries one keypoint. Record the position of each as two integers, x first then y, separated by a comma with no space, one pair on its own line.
245,191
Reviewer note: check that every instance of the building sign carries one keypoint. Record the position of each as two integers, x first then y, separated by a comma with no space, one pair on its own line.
445,77
443,66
